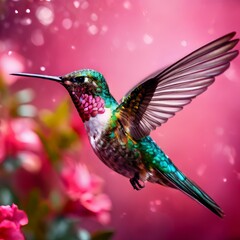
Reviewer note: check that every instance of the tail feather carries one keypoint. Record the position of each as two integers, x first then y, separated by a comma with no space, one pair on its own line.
187,186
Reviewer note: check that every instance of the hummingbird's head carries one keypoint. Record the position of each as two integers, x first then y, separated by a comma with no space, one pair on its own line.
87,88
85,81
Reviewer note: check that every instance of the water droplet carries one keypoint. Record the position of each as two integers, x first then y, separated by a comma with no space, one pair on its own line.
28,10
84,5
127,5
29,63
211,31
73,47
16,11
37,38
230,152
104,29
147,39
93,29
184,43
67,23
54,100
231,73
5,24
94,17
219,131
45,15
201,170
54,29
76,4
224,180
26,21
131,46
9,53
42,68
238,174
2,46
154,205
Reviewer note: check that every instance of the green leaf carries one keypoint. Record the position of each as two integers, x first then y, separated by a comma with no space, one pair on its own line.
24,96
62,229
26,110
102,235
11,164
7,196
55,131
37,210
3,89
83,234
57,118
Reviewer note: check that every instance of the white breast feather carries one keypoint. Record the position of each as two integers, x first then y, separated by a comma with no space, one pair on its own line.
96,125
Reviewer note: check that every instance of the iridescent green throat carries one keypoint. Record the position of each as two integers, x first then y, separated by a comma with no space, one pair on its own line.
92,97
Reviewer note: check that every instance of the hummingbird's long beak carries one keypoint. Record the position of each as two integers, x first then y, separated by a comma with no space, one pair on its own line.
52,78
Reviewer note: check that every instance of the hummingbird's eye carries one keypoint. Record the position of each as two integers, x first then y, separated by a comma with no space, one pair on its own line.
80,79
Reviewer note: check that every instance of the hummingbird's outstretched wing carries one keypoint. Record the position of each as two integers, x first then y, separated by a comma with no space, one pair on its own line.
155,100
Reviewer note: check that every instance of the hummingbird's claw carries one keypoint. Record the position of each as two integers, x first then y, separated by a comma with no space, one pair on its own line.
135,182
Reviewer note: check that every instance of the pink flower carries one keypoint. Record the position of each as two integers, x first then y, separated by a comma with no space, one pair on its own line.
9,63
17,139
86,188
77,126
8,143
11,220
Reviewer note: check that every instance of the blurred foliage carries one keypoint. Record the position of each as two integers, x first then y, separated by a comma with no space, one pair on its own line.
55,131
101,235
33,148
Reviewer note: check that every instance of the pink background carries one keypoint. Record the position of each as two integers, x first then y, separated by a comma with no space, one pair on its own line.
126,41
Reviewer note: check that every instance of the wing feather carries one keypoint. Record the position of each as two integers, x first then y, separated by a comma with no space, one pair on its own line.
156,99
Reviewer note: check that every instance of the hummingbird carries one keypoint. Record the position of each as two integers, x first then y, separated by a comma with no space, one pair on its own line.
119,132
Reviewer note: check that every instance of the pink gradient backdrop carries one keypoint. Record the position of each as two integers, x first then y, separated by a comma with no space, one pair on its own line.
126,41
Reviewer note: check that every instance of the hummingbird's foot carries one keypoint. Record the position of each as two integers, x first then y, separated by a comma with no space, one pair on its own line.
135,182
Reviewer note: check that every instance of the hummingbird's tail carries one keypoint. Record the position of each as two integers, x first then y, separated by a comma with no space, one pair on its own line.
181,182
